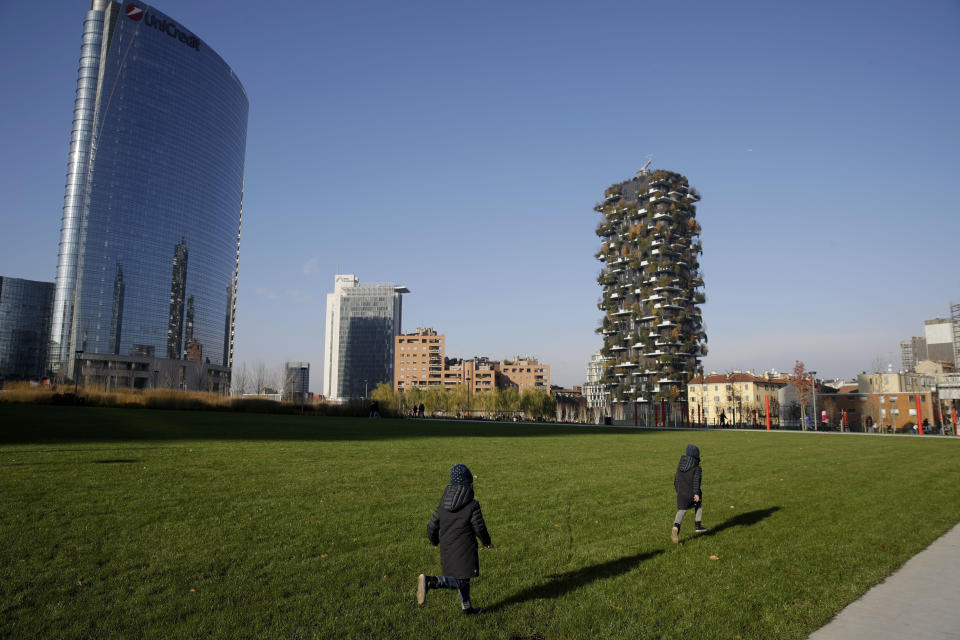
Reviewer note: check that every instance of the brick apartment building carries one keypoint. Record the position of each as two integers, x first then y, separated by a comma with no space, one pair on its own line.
420,362
884,412
524,373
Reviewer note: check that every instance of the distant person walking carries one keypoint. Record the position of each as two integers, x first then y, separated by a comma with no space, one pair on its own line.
421,408
374,409
723,418
686,482
454,527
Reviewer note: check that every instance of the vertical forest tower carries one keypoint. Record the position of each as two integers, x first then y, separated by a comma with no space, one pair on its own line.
653,336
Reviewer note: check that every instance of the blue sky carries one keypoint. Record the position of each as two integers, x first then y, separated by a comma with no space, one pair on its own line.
458,149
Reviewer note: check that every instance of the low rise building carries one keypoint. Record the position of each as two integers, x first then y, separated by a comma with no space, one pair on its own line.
570,405
144,372
739,397
896,382
478,374
885,412
523,374
935,367
420,362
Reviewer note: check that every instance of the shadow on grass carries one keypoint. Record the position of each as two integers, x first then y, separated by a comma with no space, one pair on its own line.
742,520
565,582
117,461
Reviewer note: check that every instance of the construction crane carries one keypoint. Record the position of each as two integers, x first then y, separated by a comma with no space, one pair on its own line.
643,169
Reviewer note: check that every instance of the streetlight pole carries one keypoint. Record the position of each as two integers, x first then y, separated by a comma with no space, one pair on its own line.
78,367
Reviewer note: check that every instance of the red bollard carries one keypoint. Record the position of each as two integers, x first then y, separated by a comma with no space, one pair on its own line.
919,421
767,399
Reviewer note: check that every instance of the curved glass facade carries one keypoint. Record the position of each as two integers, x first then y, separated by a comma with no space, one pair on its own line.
150,235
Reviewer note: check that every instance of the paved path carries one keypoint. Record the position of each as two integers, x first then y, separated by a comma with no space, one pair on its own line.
920,601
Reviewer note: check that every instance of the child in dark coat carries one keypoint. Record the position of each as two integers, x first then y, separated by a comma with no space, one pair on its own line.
689,495
455,526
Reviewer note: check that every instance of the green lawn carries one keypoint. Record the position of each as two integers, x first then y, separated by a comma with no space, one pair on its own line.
125,523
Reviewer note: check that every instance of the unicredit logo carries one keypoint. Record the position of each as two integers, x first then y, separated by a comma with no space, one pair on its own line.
172,29
134,12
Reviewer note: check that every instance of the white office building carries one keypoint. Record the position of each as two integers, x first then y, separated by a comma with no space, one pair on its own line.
596,394
362,321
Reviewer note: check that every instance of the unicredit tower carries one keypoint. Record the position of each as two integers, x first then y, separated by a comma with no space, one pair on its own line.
149,244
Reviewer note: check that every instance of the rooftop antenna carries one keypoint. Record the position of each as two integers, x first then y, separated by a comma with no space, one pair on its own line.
643,170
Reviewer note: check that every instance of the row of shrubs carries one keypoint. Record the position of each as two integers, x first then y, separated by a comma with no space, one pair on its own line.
174,399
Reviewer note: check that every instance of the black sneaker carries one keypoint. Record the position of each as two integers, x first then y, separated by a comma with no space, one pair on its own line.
421,589
472,611
700,528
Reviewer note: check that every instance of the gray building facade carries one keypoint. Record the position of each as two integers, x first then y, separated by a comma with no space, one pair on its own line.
362,321
25,307
149,243
296,383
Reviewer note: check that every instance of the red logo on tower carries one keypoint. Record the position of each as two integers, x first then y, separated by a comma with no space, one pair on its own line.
134,12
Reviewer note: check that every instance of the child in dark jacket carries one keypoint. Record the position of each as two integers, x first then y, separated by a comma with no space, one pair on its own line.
689,495
455,526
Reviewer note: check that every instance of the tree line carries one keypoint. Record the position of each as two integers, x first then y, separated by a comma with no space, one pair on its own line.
460,401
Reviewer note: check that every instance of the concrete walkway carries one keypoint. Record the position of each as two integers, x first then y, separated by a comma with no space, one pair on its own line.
921,600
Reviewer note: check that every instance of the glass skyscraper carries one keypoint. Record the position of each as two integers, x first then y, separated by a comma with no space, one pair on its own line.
149,244
362,321
24,323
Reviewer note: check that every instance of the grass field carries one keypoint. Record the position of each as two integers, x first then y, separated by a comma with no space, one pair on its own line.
124,523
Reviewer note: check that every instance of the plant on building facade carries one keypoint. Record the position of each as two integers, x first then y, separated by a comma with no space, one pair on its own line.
650,243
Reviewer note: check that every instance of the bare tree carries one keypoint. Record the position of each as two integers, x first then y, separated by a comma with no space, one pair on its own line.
286,377
241,379
260,376
803,381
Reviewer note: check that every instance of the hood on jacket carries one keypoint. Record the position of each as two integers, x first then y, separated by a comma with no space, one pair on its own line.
456,497
690,460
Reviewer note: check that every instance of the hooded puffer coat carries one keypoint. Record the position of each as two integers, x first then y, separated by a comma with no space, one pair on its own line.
455,526
687,479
